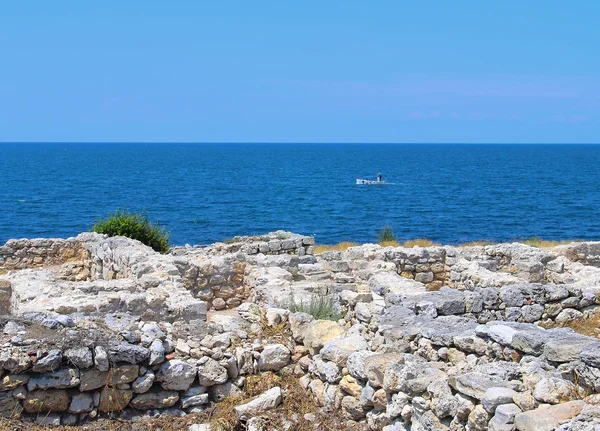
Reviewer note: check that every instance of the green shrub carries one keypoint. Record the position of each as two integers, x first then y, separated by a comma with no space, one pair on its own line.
134,226
386,235
321,307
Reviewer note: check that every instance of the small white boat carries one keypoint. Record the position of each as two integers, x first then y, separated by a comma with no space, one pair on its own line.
379,180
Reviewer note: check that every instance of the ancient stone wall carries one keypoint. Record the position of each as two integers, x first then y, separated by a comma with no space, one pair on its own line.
219,280
36,253
526,303
430,266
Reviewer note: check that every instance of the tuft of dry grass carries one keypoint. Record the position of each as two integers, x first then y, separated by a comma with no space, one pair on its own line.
534,241
392,243
478,243
589,327
420,242
342,246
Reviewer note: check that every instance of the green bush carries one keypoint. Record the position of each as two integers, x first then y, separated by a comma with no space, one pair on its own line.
321,307
134,226
386,234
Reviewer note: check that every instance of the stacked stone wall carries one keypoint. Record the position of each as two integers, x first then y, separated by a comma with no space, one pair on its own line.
35,253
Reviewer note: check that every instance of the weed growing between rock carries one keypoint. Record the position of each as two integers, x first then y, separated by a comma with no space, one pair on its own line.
135,226
321,307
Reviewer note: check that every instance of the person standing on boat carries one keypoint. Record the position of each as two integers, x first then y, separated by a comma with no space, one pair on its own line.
379,177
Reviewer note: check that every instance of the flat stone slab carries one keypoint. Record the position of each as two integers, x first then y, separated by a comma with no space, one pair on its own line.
548,418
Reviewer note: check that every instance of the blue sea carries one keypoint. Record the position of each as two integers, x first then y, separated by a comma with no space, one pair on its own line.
205,193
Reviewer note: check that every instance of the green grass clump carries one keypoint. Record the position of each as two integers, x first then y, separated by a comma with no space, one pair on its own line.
134,226
386,235
320,307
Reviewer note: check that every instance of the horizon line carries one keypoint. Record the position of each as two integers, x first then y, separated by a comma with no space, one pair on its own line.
298,142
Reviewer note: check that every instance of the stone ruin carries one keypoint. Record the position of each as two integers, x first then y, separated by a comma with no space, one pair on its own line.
439,338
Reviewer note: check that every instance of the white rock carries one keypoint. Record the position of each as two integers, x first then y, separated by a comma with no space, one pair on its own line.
264,402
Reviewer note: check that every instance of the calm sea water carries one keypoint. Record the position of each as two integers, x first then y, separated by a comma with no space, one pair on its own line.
209,192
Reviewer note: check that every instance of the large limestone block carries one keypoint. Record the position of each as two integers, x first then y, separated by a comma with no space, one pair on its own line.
155,400
338,351
548,418
61,379
130,353
475,384
114,400
376,365
496,396
176,375
320,332
40,401
566,346
411,379
274,357
210,373
94,379
356,363
264,402
553,390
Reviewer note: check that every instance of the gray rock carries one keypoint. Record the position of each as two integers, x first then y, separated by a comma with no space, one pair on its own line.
194,400
155,400
211,373
591,355
376,365
274,357
555,292
568,315
51,362
553,390
338,351
548,418
396,404
327,371
151,332
475,384
81,403
143,383
356,363
157,352
298,324
566,346
443,403
48,420
352,408
218,393
65,321
411,379
10,406
80,357
496,396
125,352
176,375
101,358
512,296
505,413
94,379
532,313
264,402
366,397
65,378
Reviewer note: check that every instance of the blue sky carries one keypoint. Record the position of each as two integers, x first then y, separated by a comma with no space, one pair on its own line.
311,71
